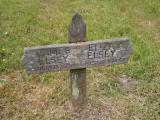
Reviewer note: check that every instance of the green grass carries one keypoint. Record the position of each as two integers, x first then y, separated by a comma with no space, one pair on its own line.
25,23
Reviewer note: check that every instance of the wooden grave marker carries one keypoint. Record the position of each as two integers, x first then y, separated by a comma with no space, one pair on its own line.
76,56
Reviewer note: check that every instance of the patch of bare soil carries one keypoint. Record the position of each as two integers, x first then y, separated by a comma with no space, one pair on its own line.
105,110
127,82
88,112
13,76
92,113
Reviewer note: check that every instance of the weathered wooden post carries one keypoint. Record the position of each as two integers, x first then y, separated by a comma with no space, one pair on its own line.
77,33
76,56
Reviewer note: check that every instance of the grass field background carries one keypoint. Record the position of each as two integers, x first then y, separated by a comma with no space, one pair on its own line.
25,23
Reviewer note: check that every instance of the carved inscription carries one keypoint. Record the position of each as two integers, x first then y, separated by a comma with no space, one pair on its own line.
76,55
52,56
101,53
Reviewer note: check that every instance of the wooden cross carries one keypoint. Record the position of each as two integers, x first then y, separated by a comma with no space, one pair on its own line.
76,56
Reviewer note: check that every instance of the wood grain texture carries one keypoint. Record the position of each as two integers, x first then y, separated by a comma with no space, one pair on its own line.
77,29
76,55
77,33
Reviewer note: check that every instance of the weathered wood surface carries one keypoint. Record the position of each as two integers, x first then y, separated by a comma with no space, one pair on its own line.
77,33
76,55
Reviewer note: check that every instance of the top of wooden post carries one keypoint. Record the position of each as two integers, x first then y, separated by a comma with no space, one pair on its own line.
77,29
